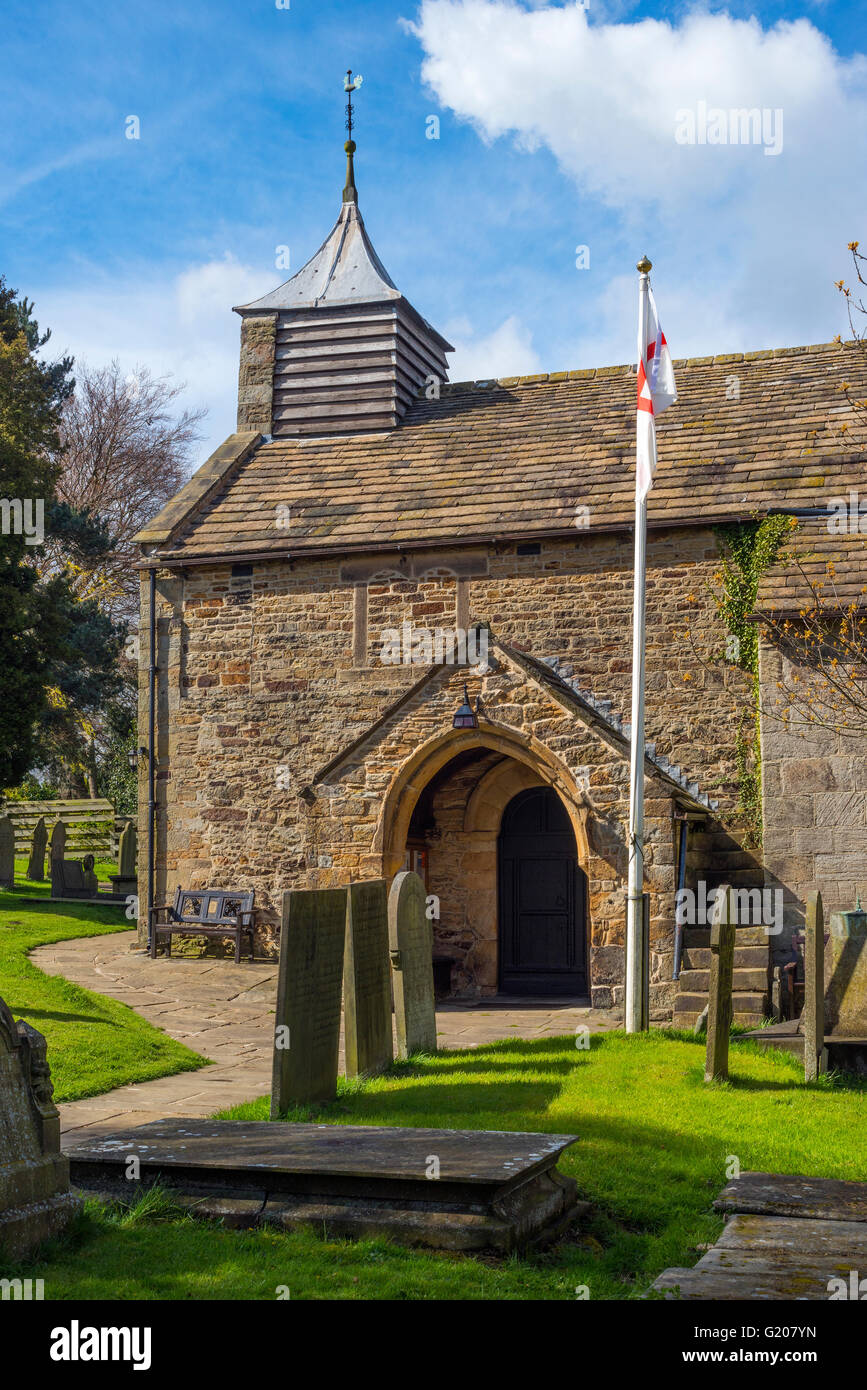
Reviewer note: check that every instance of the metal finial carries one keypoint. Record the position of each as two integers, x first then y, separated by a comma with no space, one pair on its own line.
350,192
644,265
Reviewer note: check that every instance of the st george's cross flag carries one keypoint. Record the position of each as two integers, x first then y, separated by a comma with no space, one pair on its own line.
656,392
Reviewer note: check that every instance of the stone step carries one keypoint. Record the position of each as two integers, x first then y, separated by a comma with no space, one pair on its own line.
746,936
746,957
743,1020
743,980
743,1002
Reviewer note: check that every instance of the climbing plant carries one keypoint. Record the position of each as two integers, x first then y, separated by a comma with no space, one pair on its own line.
748,549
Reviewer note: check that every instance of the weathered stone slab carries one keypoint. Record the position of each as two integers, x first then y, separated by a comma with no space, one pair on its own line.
720,1007
35,1201
410,939
789,1238
787,1194
309,980
366,981
846,975
813,1020
792,1239
452,1189
7,853
36,865
759,1286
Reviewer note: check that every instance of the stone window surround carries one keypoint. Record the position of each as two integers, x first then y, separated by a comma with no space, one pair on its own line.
462,564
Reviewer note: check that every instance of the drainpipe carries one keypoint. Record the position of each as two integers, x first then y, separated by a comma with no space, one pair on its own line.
152,702
681,880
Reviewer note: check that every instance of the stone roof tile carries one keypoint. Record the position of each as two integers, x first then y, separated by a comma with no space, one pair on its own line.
515,458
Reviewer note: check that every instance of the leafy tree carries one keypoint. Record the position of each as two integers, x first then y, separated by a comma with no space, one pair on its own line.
32,394
59,650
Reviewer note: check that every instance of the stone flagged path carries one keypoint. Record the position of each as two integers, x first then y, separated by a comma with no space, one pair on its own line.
225,1012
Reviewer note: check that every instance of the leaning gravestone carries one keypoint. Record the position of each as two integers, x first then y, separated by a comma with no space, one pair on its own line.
7,853
366,982
720,1008
58,840
309,981
36,866
410,939
35,1201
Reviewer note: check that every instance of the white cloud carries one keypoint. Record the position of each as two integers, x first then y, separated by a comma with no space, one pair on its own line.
507,351
181,324
749,242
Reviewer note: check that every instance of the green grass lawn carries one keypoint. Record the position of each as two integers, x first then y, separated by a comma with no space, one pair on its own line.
654,1144
94,1043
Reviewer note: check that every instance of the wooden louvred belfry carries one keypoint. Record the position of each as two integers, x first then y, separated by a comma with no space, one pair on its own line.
349,350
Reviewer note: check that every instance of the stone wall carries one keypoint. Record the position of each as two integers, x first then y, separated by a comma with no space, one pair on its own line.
263,682
814,799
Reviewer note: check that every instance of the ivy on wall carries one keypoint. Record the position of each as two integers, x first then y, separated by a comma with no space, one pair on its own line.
749,548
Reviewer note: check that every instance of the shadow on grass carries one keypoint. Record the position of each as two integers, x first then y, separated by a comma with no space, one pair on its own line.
69,1018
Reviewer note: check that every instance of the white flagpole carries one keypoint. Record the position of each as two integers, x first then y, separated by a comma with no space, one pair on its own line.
636,958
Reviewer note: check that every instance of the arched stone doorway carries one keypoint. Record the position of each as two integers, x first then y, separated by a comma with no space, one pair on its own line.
443,814
542,899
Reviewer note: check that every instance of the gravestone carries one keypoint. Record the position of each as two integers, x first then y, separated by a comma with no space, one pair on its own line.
36,866
410,939
720,1009
73,878
309,982
35,1201
846,975
366,981
7,853
813,1020
125,881
58,840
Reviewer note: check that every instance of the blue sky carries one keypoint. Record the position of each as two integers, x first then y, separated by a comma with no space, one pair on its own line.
556,130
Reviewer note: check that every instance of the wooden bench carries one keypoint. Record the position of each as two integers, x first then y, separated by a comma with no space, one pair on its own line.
204,912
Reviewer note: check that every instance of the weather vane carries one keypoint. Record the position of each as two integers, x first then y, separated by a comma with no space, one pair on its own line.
349,87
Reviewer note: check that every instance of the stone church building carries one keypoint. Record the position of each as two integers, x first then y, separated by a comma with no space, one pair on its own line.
314,584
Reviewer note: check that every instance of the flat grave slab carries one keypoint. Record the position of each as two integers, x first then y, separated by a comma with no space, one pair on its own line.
788,1237
788,1194
452,1189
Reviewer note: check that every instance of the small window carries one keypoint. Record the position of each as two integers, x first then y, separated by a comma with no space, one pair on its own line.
529,548
242,571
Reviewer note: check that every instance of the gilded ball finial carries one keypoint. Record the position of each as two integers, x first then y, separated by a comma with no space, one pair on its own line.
644,265
350,147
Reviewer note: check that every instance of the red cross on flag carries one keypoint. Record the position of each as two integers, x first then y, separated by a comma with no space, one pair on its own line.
656,392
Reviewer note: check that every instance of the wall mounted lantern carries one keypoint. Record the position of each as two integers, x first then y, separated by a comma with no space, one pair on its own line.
465,718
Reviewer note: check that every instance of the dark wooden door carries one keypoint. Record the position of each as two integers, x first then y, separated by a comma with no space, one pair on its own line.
542,898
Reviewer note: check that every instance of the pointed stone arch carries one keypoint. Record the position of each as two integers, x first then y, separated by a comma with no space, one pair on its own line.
536,765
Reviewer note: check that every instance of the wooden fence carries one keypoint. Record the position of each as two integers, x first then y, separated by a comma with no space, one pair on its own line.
91,825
